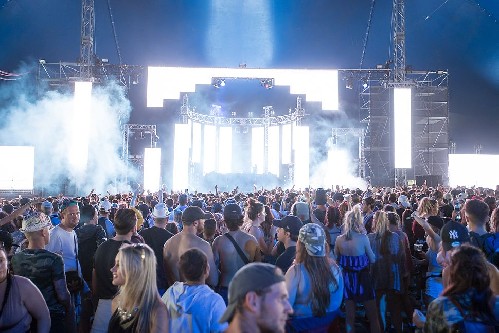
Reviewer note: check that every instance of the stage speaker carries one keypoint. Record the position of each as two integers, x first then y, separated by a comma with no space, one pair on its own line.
431,180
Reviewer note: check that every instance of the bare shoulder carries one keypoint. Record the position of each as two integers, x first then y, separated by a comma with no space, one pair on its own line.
172,241
23,283
160,309
249,237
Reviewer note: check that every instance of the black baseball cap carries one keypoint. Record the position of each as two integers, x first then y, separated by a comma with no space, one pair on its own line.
290,223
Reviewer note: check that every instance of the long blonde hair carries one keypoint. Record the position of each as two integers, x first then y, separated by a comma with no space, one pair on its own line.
427,206
321,278
382,231
354,222
137,263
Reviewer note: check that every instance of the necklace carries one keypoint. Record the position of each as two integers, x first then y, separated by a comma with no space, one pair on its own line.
125,315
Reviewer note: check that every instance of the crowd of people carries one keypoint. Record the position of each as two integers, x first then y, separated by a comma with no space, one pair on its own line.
276,260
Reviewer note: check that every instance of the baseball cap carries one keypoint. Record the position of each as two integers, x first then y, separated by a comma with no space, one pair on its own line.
47,205
105,206
160,211
251,277
453,234
290,223
404,201
232,211
193,213
313,237
36,222
436,221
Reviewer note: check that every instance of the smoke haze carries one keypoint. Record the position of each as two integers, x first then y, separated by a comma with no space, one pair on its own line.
43,120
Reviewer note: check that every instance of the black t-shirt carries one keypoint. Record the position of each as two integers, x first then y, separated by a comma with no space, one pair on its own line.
156,238
320,214
285,260
90,236
103,262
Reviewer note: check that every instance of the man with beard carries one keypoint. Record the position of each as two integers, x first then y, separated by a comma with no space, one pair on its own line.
258,300
193,224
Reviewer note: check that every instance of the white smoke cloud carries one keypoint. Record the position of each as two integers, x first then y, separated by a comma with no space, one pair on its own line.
45,122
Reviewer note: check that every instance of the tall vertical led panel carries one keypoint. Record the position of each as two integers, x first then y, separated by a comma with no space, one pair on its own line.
210,149
257,149
80,127
225,150
402,118
182,143
196,143
17,172
273,152
301,156
152,169
286,144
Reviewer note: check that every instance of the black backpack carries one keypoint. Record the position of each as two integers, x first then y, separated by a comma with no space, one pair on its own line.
489,244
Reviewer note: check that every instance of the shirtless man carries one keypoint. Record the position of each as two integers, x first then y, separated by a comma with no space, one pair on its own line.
193,222
225,254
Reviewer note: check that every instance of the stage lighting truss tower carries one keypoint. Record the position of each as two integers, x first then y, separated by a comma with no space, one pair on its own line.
398,25
129,129
430,124
267,113
87,39
188,112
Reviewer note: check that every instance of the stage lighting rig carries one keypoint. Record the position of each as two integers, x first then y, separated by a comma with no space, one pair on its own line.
218,82
267,83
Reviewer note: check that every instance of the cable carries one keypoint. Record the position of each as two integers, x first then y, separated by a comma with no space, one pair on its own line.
366,37
114,31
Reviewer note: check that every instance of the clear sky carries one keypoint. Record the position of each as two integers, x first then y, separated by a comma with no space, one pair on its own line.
461,36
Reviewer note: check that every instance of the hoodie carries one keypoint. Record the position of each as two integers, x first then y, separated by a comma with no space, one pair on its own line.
194,308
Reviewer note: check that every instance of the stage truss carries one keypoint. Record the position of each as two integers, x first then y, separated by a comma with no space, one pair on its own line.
430,122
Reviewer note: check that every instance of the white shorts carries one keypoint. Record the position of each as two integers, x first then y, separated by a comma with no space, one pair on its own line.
102,316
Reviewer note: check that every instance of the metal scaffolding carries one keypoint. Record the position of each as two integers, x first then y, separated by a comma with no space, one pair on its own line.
430,122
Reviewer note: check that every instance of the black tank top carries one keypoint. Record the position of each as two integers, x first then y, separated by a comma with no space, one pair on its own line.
116,325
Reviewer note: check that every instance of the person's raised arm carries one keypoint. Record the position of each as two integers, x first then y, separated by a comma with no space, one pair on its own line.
18,212
160,193
134,196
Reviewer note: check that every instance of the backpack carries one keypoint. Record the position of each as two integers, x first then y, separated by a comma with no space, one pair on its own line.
471,325
489,244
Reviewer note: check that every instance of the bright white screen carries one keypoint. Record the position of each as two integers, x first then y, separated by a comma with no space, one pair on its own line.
273,157
257,149
196,143
320,85
301,156
402,127
16,173
181,156
210,149
152,169
473,170
80,127
225,150
286,144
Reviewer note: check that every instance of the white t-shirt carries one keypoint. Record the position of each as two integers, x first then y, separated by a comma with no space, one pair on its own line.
63,242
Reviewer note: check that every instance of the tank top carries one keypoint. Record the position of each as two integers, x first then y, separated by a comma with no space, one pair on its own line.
116,324
15,317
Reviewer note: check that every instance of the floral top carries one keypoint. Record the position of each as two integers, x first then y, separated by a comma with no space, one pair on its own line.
443,316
